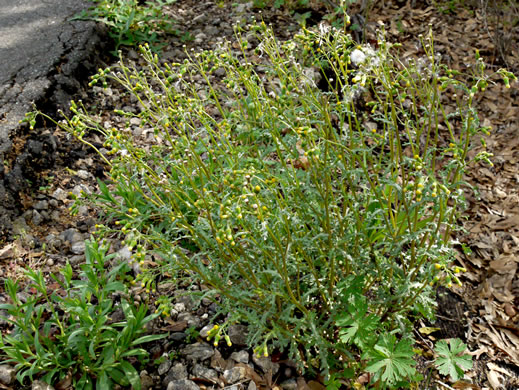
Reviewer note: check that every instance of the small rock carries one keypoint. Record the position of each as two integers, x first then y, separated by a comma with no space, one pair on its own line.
40,385
238,335
7,374
199,18
37,218
20,226
252,386
164,367
178,336
200,38
41,205
266,364
240,357
244,7
78,189
77,259
192,321
59,194
146,380
82,174
176,373
82,210
218,362
71,235
198,351
55,216
204,372
78,248
183,384
188,302
204,332
53,203
50,262
179,307
29,241
289,384
234,375
135,121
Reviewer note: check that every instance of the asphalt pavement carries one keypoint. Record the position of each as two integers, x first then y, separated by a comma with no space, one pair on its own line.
42,55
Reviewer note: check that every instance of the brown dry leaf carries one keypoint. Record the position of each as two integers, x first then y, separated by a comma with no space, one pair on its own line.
495,379
217,361
507,223
8,251
301,163
504,265
301,384
314,385
465,385
478,352
174,326
251,374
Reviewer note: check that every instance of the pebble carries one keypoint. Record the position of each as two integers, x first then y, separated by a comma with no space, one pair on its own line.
203,372
7,374
41,205
71,235
78,189
198,352
78,248
175,373
59,194
191,320
204,332
83,210
37,218
164,367
289,384
146,380
234,375
200,18
77,259
244,7
178,336
238,335
183,384
265,364
40,385
200,38
240,357
55,216
20,226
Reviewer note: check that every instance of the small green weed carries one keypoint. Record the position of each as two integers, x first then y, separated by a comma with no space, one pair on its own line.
66,331
131,23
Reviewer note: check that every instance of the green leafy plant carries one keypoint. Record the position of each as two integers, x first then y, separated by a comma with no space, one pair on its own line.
131,23
452,359
65,332
312,190
391,360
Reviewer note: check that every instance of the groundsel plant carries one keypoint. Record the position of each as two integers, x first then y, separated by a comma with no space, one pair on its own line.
314,195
